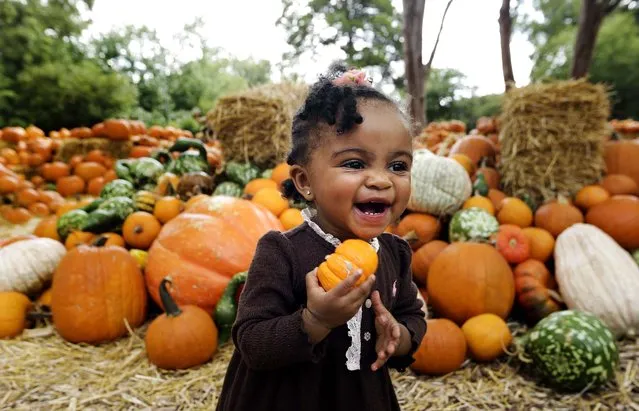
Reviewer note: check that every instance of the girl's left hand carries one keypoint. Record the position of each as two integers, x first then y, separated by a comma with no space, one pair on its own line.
388,332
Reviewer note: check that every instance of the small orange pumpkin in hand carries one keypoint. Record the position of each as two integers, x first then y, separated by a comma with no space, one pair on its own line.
348,257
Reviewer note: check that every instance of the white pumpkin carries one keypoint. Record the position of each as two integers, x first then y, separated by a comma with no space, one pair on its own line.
596,275
27,266
439,185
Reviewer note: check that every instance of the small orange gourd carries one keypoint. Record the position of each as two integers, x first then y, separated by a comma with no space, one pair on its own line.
14,307
487,336
349,256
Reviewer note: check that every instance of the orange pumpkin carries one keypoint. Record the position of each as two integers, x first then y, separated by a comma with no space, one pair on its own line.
535,289
77,238
167,208
512,210
88,170
140,229
70,185
496,197
442,350
590,196
16,215
202,248
480,202
621,157
181,338
257,184
95,289
487,336
116,129
423,258
291,218
8,184
467,279
475,147
466,162
280,173
491,175
272,199
418,229
619,218
349,256
512,243
47,228
14,307
557,215
616,184
542,243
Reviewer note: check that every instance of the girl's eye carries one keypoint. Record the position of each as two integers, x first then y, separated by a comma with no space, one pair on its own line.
357,164
399,166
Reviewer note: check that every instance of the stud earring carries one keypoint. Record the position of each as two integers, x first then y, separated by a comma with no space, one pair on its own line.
308,192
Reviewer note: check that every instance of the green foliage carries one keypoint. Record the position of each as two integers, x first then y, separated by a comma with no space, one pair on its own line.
447,99
81,95
367,31
615,55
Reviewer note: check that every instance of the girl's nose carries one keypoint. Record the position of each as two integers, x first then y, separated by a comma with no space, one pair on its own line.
378,181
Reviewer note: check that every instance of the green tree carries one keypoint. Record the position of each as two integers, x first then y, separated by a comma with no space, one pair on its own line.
448,98
46,77
367,31
615,55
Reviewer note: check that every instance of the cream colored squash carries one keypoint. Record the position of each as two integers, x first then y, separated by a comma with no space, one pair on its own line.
440,185
27,266
596,275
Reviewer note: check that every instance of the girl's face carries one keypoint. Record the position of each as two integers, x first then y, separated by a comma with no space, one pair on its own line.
360,181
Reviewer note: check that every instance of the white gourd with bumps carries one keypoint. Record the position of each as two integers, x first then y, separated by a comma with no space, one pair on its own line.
439,185
596,275
27,266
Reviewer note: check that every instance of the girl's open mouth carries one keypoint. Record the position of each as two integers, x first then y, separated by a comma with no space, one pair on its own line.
372,208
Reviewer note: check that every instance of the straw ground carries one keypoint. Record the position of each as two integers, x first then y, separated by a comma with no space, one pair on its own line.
40,371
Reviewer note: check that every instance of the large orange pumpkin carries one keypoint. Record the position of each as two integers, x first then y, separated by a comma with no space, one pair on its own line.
94,290
467,279
621,158
475,147
203,247
619,218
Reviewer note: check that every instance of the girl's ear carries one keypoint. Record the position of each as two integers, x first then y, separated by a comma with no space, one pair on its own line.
302,183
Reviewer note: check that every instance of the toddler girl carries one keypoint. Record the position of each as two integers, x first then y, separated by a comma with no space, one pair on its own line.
299,347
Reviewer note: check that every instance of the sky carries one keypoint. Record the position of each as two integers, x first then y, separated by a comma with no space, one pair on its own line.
246,28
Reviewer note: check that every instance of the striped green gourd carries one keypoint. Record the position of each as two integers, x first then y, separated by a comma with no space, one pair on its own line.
572,350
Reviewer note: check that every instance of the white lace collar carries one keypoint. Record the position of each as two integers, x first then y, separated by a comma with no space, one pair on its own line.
308,213
354,352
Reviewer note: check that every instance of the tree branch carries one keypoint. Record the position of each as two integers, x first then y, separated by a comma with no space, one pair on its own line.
428,65
612,6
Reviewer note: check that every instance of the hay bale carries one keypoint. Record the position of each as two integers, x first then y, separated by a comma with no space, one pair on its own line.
552,138
255,125
72,146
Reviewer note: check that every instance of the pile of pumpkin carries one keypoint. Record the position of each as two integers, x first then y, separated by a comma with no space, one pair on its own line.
481,257
187,250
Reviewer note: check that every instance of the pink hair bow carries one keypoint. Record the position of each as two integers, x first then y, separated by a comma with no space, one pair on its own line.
353,76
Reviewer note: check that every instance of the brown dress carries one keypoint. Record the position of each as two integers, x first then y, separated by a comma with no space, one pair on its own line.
276,367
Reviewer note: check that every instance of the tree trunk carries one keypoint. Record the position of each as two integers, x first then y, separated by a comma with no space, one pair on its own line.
413,19
429,64
590,17
505,29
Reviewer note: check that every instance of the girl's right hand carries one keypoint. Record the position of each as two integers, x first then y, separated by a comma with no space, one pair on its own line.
340,304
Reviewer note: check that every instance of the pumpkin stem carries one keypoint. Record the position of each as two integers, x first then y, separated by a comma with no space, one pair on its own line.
100,241
411,237
555,295
170,307
138,229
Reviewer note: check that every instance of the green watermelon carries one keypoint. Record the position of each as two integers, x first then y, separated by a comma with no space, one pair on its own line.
241,173
635,255
228,188
69,221
472,224
123,206
117,188
572,350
